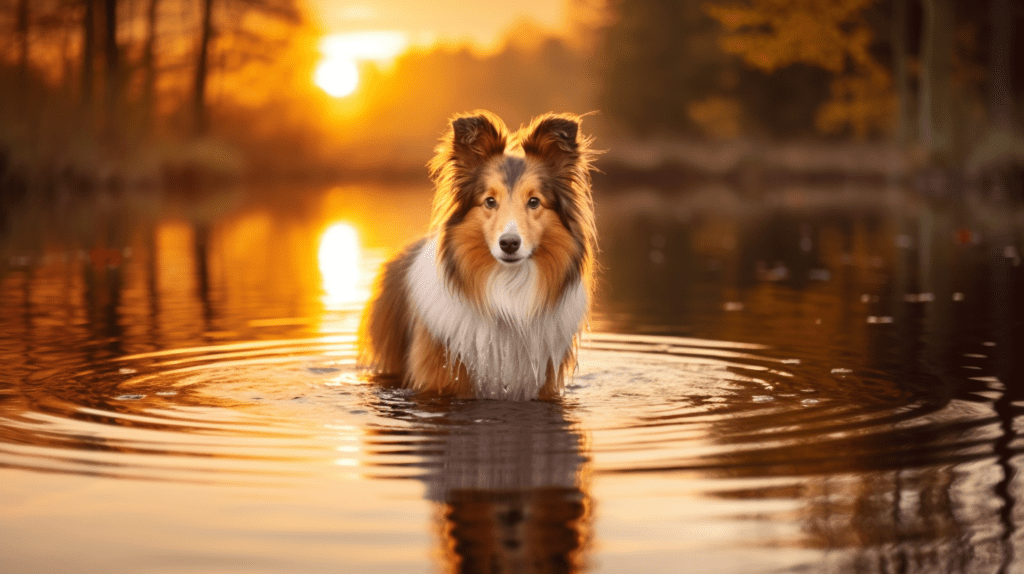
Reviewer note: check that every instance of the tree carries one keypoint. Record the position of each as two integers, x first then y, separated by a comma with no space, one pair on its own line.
830,34
935,114
246,43
149,61
202,66
899,64
665,72
88,52
1001,19
661,54
22,28
112,65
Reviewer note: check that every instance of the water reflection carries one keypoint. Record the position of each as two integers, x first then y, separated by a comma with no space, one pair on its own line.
340,264
511,486
849,399
903,305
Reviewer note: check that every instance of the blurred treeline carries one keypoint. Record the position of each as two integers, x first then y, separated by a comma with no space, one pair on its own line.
946,77
179,92
116,92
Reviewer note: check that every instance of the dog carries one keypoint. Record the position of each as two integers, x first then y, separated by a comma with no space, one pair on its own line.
492,302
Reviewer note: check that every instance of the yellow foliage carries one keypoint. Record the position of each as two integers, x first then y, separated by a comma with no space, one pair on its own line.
865,101
772,34
829,34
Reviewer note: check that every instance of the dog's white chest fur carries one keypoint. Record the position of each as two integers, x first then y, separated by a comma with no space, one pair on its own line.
507,351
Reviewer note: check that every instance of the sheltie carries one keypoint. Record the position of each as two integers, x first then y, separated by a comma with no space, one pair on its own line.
491,303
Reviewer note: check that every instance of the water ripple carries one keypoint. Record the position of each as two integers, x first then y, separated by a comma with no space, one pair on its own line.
283,409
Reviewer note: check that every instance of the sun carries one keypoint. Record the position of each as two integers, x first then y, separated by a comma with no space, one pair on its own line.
337,76
338,72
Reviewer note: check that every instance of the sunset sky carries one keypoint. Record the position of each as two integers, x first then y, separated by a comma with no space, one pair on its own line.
442,21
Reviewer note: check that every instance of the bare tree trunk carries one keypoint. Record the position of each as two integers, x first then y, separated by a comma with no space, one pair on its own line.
899,51
936,92
22,25
149,63
1002,14
88,52
202,67
1001,19
112,70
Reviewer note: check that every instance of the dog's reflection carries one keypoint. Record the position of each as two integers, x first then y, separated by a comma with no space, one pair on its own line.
510,482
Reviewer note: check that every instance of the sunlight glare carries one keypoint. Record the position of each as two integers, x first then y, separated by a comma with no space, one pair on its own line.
337,77
339,258
338,74
379,46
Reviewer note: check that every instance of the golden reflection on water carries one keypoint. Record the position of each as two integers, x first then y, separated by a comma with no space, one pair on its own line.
215,316
340,261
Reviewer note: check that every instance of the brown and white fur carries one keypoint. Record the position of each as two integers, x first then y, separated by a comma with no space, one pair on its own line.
491,303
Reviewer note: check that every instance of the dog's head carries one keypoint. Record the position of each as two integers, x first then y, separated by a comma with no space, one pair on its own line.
506,198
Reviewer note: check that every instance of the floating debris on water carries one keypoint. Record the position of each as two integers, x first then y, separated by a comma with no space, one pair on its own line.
965,236
166,393
841,371
790,361
733,306
882,319
129,397
810,402
819,275
762,399
919,297
1010,252
127,371
778,272
989,343
322,370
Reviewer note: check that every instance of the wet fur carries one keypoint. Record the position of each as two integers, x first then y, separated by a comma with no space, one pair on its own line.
447,317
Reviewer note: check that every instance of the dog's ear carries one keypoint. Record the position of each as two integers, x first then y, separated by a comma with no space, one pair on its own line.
554,139
477,137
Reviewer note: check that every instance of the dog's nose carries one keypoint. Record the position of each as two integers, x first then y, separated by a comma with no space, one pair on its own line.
509,242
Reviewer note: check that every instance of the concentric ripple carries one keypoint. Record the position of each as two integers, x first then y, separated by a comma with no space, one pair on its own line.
280,410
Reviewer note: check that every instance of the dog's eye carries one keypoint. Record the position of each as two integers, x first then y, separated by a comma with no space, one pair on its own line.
490,203
533,203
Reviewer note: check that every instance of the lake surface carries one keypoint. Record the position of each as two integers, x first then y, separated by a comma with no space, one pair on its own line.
815,380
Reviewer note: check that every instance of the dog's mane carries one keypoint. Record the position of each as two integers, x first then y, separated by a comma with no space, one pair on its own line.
472,140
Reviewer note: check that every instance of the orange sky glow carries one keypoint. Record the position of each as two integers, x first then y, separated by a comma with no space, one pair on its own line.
379,30
479,23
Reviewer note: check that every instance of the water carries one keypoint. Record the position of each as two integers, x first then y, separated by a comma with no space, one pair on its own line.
822,380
